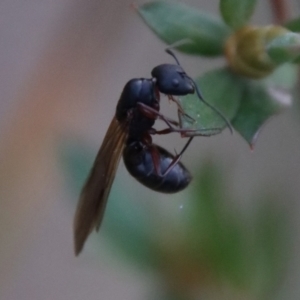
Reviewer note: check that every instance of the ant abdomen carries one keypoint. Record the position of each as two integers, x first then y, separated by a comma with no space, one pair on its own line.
140,163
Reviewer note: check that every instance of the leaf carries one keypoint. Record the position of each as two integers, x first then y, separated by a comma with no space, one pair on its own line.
236,13
271,242
216,234
248,104
264,99
251,256
258,105
173,22
284,77
222,89
284,48
293,25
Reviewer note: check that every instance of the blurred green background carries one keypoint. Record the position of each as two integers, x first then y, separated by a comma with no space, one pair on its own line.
233,234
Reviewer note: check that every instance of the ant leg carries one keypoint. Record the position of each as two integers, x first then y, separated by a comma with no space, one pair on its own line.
174,162
185,132
200,132
177,158
156,159
179,107
152,113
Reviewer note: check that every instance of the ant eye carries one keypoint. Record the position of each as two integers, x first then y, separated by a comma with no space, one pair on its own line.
182,74
175,82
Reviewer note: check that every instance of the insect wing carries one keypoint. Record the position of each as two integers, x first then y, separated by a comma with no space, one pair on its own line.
95,192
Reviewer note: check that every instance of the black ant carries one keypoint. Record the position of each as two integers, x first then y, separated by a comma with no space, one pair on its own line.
130,133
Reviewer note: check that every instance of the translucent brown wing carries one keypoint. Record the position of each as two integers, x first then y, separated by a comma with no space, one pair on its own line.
95,192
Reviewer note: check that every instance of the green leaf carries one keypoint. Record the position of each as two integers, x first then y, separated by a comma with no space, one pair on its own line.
222,89
293,25
297,60
175,23
284,48
248,104
251,256
284,77
264,99
259,103
216,234
236,13
270,242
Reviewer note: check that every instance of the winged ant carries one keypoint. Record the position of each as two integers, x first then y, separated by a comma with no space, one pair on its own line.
129,134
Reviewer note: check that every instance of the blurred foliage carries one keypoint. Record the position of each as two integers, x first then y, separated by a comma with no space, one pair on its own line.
244,91
211,247
174,22
236,13
293,25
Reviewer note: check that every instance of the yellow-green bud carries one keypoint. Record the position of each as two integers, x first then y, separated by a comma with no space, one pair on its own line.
246,50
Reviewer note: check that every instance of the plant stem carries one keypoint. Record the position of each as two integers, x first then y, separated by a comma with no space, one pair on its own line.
280,10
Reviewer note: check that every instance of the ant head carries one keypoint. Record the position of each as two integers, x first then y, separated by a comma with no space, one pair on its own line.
172,80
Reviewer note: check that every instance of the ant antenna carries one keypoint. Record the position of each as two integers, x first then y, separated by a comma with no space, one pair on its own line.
211,106
169,51
176,44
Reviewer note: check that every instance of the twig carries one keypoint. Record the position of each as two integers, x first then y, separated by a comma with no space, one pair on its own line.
280,10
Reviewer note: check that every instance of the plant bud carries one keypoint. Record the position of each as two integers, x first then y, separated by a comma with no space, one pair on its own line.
247,50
